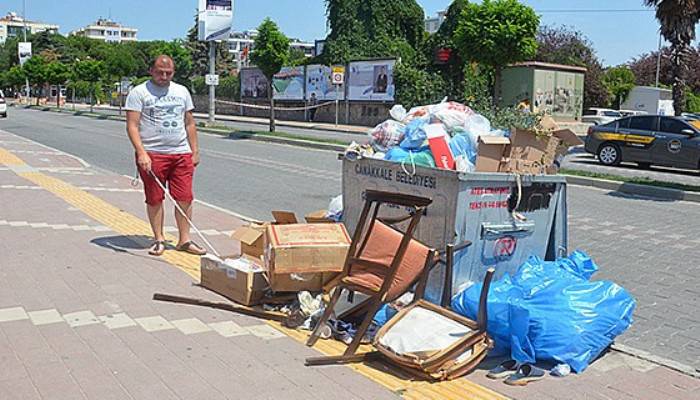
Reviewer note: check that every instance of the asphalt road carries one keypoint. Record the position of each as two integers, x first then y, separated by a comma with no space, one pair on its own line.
648,246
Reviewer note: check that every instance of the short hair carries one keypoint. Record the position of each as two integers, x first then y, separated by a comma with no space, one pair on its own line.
160,58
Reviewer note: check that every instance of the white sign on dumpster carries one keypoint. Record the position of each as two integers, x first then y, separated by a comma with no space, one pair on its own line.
211,80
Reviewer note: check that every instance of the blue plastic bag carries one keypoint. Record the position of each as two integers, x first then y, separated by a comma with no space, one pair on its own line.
415,137
551,311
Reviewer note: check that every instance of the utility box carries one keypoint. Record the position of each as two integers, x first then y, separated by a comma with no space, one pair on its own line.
508,218
554,89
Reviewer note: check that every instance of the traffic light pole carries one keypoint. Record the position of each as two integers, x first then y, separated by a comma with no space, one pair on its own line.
212,88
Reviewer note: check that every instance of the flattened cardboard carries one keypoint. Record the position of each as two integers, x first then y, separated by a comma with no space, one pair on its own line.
305,248
491,153
243,287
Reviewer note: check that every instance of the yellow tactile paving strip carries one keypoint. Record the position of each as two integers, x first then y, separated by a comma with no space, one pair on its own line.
126,224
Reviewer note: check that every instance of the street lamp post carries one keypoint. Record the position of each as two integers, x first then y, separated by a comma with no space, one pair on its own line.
24,21
658,61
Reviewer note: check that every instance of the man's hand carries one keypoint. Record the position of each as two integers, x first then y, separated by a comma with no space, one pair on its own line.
195,158
144,161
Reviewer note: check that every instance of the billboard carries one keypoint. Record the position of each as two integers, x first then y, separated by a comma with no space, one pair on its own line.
253,84
288,84
318,83
24,51
215,19
371,80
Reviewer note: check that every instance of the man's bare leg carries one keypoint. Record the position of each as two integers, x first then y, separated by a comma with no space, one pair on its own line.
183,227
155,217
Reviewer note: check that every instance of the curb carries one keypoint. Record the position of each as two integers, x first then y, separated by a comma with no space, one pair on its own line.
664,362
287,141
635,189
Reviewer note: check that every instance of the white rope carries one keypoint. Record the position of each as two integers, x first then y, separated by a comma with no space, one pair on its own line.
177,206
259,107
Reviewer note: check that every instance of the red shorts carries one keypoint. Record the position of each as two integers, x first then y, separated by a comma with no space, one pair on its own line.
175,171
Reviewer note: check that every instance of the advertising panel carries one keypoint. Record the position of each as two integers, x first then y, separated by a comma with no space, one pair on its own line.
371,80
253,84
288,84
215,19
318,84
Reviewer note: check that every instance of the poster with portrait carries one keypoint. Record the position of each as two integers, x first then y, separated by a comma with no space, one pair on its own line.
215,19
371,80
24,52
318,84
288,84
253,84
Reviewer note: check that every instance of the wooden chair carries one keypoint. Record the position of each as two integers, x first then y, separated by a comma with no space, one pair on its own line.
382,263
453,348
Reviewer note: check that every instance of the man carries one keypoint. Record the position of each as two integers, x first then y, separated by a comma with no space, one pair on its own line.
162,130
313,102
382,82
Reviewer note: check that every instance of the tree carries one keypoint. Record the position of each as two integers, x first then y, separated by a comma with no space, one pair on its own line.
497,33
91,71
619,81
35,70
644,68
678,19
120,62
373,28
563,45
270,53
57,73
199,55
14,77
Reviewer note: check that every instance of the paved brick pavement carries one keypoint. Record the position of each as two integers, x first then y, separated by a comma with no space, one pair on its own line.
77,320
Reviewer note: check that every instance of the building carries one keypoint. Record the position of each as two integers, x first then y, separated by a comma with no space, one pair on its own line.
554,89
433,24
240,44
108,31
13,25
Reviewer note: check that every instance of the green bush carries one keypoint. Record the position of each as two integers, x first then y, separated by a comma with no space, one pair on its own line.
198,86
692,102
417,86
229,88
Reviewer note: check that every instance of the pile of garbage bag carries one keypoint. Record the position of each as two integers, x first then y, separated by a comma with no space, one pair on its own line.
404,138
552,311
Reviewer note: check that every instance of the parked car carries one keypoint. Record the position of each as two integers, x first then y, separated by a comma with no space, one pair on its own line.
600,116
647,140
3,105
631,113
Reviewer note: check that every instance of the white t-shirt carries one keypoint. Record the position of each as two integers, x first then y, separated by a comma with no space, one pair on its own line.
162,125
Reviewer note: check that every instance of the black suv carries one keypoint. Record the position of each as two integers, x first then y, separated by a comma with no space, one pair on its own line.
647,140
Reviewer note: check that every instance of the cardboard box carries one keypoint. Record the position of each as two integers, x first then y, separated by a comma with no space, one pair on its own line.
318,217
239,279
252,238
300,282
492,150
305,248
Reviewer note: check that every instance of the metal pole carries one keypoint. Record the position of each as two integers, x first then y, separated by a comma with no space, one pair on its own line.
658,62
337,95
24,21
212,88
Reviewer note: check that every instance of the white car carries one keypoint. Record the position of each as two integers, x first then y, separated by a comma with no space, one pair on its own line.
632,113
600,116
3,105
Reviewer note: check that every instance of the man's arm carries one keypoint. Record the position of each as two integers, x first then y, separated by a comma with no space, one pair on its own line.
132,128
191,128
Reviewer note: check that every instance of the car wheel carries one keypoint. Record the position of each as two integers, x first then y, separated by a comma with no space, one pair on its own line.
609,154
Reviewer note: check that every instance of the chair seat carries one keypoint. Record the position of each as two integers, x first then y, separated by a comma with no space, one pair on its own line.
381,249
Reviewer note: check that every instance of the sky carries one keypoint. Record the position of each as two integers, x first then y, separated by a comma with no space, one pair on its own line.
617,36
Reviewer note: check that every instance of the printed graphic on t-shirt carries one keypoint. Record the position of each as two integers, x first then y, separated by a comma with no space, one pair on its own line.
167,112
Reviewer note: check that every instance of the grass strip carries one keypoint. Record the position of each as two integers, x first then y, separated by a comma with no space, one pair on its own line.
635,180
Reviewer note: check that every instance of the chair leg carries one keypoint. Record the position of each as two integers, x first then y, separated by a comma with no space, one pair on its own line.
371,310
325,317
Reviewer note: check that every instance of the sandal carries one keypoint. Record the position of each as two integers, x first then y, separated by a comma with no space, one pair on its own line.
526,374
192,248
157,248
503,370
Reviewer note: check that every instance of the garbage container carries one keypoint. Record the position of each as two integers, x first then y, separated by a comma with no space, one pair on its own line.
506,217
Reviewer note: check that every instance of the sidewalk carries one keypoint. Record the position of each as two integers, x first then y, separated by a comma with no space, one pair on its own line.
77,319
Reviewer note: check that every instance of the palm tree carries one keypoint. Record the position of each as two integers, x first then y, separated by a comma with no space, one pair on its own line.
678,19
